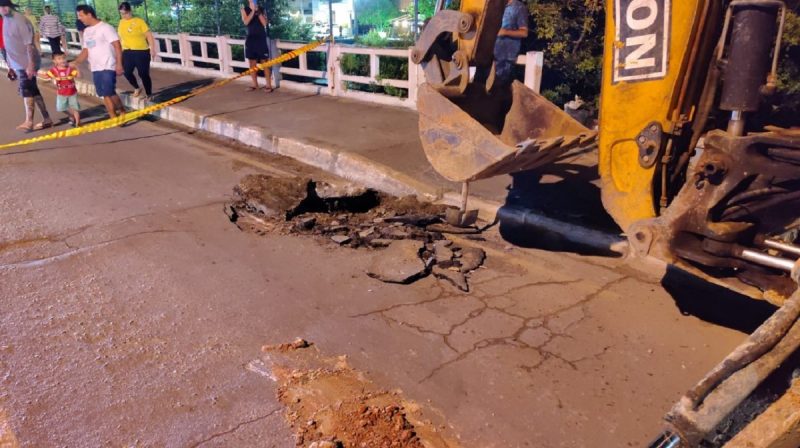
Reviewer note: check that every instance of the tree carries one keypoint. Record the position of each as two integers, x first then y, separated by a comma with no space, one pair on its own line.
787,101
571,34
376,13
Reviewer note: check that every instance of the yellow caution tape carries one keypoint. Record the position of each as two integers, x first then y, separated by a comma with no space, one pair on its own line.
130,116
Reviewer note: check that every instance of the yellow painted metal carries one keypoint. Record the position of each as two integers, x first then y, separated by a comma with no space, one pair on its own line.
627,107
479,42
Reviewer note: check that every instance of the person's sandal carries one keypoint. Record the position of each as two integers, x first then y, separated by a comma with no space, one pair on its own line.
251,89
25,128
43,125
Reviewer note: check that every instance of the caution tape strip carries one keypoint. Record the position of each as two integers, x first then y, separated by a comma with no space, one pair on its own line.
130,116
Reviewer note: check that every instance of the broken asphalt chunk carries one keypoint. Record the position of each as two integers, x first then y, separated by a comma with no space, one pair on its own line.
398,263
456,278
471,258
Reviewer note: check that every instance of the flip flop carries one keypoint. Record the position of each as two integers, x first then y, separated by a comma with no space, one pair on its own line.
42,125
269,89
25,129
251,89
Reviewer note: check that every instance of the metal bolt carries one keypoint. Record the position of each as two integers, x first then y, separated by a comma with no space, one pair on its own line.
654,128
642,139
646,158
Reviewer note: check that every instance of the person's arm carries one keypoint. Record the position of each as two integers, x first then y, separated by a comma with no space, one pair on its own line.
28,36
520,33
30,69
81,57
246,18
151,41
520,22
118,51
263,19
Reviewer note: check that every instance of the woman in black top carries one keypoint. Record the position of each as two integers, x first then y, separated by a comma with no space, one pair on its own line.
255,45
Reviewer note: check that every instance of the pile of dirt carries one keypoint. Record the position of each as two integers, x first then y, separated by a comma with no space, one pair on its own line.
412,233
329,404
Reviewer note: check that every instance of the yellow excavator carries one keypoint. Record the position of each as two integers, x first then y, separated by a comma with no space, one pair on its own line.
689,170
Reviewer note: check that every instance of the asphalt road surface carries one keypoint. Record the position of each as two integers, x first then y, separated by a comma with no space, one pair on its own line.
130,307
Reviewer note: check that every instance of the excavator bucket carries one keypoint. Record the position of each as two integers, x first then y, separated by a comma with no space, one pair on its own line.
477,135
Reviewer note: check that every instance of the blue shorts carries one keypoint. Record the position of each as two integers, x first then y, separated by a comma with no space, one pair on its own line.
105,82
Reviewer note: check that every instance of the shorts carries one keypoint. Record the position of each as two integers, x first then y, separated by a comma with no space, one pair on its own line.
105,82
64,103
28,88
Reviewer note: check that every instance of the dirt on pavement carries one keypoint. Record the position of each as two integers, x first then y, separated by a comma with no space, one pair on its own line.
329,404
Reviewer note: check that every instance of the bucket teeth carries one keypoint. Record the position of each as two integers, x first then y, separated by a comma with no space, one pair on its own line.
480,136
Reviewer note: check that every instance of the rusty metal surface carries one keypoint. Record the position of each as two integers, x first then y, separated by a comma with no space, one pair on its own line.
738,189
777,427
480,136
693,423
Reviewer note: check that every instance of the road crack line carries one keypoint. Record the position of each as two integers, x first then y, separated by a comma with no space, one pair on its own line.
236,428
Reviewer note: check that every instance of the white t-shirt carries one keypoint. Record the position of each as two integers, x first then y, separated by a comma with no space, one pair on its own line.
98,40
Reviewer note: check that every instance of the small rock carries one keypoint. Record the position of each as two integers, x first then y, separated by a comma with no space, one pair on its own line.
306,223
377,220
380,242
471,258
340,239
300,343
335,223
322,444
395,233
399,263
367,232
456,278
336,228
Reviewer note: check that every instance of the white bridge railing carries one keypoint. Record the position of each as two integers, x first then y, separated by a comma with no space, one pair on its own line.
214,56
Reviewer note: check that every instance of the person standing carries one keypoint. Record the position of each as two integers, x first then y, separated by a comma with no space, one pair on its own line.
138,49
36,35
53,30
255,45
513,30
102,48
23,60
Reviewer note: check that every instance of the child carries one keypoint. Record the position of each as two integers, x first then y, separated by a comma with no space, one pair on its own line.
64,77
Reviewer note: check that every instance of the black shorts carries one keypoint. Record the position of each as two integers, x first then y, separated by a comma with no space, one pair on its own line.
28,88
256,49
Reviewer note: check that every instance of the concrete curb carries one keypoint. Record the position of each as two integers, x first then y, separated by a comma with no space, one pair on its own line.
367,172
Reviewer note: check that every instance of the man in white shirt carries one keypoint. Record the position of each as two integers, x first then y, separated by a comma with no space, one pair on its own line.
102,48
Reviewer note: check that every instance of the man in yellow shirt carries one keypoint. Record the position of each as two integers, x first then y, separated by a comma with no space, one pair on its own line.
138,49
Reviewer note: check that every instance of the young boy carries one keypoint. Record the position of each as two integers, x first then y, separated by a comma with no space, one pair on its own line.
67,94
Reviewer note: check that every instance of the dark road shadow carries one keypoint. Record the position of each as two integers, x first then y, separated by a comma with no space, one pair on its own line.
563,191
183,88
711,303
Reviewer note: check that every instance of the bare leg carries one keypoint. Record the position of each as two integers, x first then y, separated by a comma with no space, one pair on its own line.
76,116
118,104
30,109
254,75
42,109
268,78
109,103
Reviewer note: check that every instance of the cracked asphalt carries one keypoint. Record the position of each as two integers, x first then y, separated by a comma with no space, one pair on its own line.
130,308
